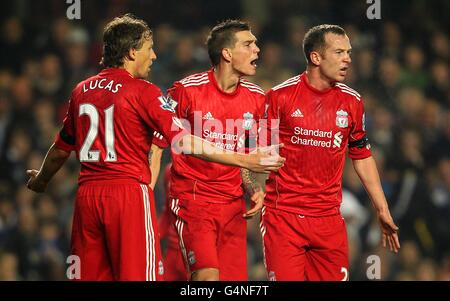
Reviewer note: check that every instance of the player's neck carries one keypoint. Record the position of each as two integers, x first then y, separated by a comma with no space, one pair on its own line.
226,79
317,80
130,68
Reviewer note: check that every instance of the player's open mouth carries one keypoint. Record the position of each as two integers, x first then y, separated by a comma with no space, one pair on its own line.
343,71
253,63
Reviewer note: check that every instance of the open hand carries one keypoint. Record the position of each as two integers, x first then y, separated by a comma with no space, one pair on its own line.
257,203
389,231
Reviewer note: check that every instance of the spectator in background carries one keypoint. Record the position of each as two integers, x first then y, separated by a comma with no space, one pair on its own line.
413,75
13,45
49,80
9,267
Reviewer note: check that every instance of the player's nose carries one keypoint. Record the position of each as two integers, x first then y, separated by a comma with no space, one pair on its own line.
153,55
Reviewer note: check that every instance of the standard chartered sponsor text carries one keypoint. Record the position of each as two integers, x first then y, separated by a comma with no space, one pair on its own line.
300,133
219,137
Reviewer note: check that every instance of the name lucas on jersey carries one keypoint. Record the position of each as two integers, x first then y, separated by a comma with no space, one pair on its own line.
101,84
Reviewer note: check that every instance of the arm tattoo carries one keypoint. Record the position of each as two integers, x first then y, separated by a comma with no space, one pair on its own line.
249,181
150,153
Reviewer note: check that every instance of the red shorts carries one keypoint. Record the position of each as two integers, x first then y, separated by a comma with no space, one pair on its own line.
213,235
115,232
300,247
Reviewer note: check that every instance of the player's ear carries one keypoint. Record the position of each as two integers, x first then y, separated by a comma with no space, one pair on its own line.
132,54
226,54
315,57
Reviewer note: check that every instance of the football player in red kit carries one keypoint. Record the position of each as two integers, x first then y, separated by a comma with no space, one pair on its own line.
317,118
208,198
110,124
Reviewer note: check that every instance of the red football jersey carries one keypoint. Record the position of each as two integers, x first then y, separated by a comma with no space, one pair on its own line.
316,128
110,124
227,120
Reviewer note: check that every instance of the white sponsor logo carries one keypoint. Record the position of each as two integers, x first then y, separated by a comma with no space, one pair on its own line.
308,137
297,113
337,140
217,139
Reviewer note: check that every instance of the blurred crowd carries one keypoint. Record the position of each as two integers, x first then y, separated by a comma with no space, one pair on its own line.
400,66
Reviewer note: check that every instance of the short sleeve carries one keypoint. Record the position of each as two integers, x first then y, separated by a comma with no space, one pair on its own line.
159,140
359,146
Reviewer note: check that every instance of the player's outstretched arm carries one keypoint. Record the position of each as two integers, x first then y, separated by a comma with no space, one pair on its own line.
368,173
263,161
53,161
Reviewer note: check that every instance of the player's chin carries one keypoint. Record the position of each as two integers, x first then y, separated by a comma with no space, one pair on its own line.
250,71
340,78
146,73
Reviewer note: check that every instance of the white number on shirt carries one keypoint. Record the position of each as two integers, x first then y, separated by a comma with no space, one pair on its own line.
88,155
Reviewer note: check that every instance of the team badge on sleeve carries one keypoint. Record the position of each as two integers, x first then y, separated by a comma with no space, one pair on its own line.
168,103
342,119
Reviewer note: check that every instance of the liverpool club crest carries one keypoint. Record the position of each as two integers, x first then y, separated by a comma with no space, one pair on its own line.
248,121
342,119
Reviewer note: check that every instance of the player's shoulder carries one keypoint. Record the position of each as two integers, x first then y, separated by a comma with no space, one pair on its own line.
287,85
347,91
141,87
251,87
194,80
146,85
